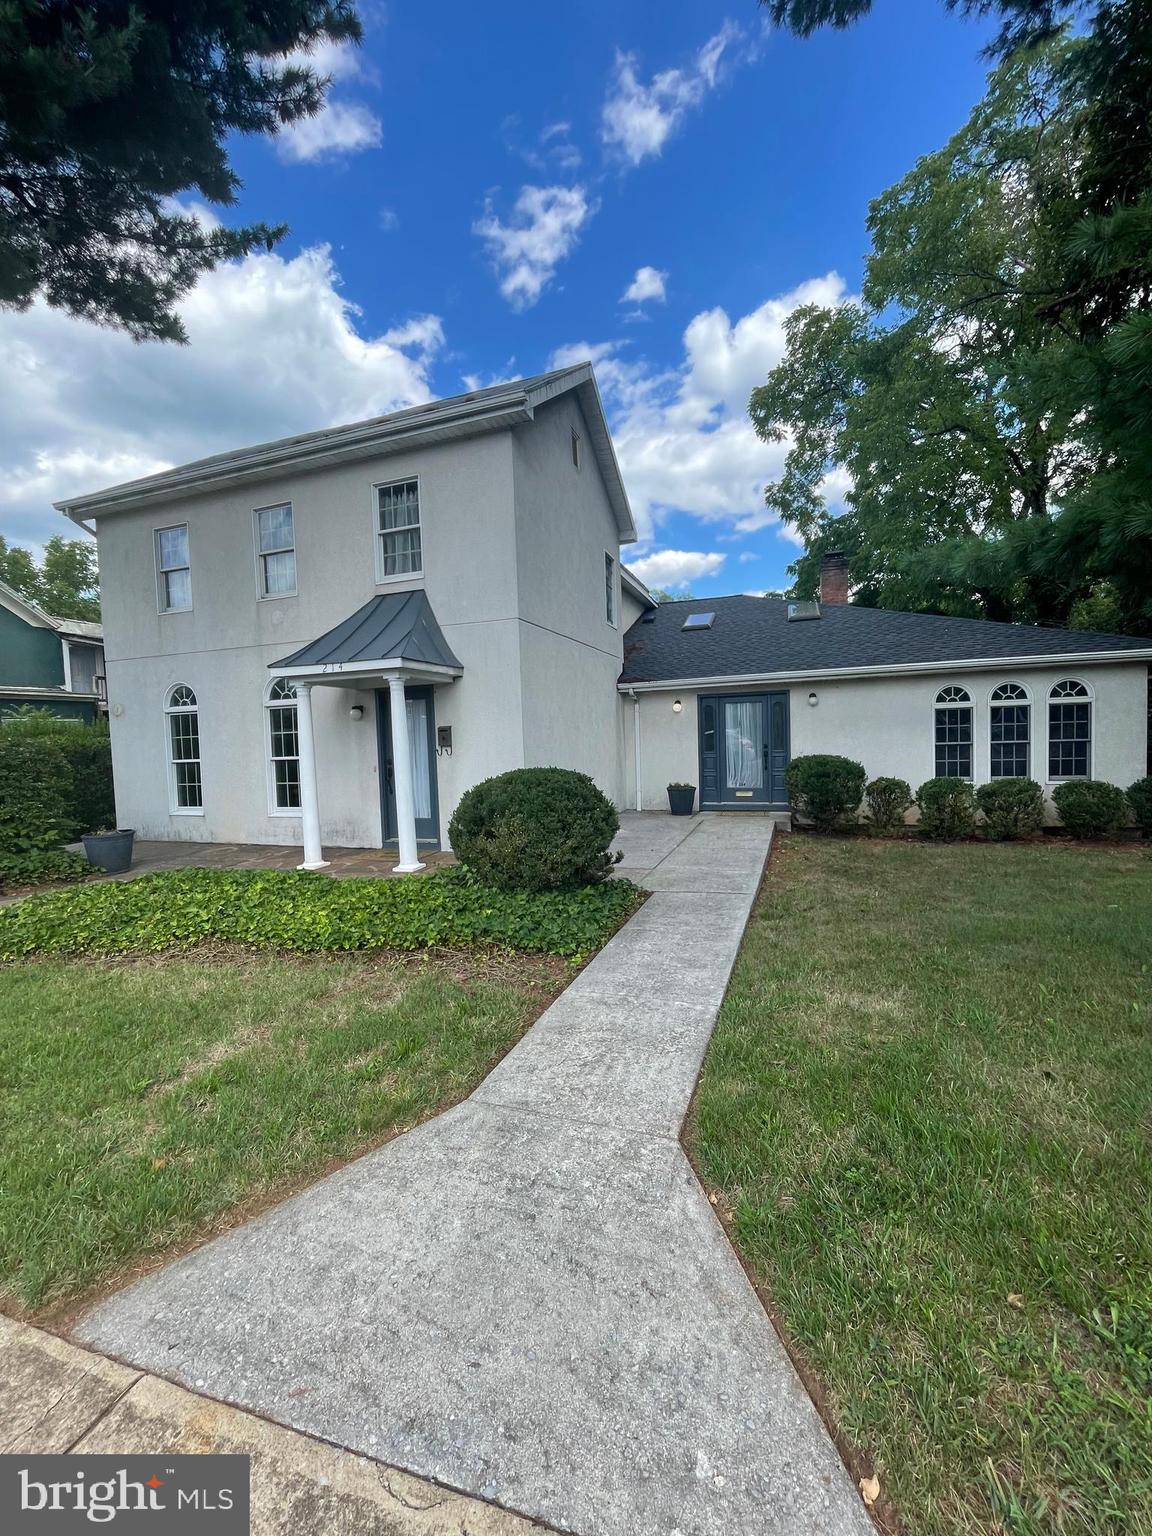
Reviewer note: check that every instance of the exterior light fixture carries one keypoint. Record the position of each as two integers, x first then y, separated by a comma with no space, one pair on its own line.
813,700
356,712
676,706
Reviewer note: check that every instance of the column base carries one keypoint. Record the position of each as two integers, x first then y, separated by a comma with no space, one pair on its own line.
408,869
320,864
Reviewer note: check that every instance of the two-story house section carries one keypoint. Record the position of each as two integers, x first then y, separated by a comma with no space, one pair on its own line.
327,639
47,662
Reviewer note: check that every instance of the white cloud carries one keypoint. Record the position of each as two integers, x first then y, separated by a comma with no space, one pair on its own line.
638,119
674,568
649,283
544,227
388,220
274,348
683,435
340,127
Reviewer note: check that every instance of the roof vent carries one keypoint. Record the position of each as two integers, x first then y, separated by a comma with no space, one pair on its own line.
698,621
803,610
649,615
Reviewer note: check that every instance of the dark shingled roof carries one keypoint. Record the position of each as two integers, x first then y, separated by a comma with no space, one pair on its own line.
396,624
754,636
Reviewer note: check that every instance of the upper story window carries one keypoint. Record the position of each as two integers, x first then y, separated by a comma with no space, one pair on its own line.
275,551
1009,728
609,588
184,783
398,551
173,569
575,449
1069,730
953,734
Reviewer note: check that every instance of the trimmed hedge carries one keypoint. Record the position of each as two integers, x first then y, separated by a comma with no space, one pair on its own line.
293,910
1090,807
887,799
535,829
826,788
1140,799
947,809
1012,808
55,782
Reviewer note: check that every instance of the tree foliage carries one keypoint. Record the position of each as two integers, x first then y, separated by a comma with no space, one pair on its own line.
108,111
66,582
992,393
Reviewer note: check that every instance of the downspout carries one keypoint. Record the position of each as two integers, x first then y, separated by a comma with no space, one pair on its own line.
632,694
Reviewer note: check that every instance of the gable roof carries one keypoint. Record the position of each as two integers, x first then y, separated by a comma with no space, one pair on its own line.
481,410
395,626
752,637
31,613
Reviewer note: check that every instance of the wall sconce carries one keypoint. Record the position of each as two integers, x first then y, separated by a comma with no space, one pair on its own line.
676,706
813,700
356,712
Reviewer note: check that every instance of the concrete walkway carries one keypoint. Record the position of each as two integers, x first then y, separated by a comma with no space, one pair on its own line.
529,1298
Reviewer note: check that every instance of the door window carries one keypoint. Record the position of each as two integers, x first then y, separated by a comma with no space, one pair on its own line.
744,743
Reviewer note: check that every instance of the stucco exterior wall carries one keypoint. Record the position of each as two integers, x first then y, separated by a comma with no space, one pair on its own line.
887,724
571,655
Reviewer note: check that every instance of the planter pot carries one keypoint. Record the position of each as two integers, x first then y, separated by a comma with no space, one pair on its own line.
681,801
109,851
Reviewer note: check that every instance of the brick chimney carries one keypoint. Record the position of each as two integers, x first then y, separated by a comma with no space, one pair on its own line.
834,578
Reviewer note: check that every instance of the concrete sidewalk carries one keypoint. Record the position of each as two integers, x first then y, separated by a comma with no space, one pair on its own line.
529,1298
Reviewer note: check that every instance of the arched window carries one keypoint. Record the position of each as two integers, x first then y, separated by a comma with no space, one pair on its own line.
1010,725
283,747
186,793
1070,730
953,734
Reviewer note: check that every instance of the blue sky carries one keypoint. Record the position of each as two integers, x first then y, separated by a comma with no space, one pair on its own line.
482,190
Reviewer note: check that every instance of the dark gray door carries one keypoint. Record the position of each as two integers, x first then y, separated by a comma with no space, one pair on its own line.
422,748
743,750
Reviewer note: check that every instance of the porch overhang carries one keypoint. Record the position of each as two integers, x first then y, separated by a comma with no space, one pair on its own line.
394,632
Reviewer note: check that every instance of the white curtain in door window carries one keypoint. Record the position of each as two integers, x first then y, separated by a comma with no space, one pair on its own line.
743,741
417,710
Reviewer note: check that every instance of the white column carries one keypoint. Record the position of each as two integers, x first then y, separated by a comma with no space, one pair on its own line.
402,778
309,803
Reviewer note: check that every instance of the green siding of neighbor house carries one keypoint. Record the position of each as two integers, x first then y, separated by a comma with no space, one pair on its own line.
29,657
62,707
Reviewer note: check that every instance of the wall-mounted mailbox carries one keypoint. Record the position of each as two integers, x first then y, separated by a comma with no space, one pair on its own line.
444,738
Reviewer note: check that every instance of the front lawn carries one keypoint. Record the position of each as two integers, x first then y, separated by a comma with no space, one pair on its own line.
146,1101
927,1109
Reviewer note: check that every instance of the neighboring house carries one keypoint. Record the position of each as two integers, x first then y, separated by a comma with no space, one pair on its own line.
49,663
327,639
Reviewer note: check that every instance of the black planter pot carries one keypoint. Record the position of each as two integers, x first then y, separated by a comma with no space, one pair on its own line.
110,851
681,801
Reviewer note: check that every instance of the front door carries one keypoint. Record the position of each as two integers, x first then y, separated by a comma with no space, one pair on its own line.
743,751
422,747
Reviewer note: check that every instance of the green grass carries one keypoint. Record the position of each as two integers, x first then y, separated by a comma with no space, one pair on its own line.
287,910
144,1101
927,1106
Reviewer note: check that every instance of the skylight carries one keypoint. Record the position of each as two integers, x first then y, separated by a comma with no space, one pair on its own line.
698,621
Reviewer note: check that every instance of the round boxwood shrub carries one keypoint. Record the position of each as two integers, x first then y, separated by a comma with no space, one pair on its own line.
1012,808
825,788
887,799
1140,799
947,808
1090,807
535,829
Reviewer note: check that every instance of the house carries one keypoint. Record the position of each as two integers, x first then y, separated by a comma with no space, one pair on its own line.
326,639
48,663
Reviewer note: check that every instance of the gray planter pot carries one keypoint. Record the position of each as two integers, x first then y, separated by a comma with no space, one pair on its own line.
681,801
110,851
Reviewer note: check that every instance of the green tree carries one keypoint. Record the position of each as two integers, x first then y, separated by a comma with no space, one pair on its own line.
65,584
108,111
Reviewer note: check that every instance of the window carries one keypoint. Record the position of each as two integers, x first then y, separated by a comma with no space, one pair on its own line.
283,747
186,791
575,449
173,569
1009,730
953,734
398,550
609,588
698,621
275,551
1069,730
